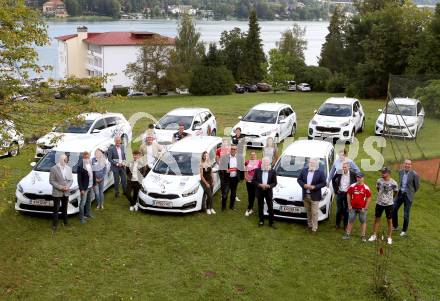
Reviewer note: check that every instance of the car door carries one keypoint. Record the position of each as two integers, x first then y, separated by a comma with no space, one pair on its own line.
420,115
283,123
357,115
211,122
205,123
197,123
291,120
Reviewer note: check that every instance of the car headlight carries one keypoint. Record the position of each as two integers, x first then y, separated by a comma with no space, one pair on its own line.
266,133
19,188
191,192
324,194
314,122
410,125
380,122
143,190
345,124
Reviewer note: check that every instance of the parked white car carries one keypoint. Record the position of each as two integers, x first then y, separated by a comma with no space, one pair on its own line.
303,87
405,118
337,118
34,192
287,195
197,122
11,139
276,120
97,125
173,185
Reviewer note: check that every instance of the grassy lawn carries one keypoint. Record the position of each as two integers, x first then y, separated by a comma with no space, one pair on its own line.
123,255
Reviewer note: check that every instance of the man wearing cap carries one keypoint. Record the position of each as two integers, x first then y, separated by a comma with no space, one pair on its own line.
409,184
358,198
386,191
180,134
311,180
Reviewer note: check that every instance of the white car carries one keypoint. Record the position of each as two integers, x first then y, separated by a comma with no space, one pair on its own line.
287,195
303,87
276,120
173,185
197,122
11,139
404,118
337,118
96,125
34,192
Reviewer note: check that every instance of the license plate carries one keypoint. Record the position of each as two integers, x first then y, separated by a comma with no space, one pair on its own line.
290,209
40,202
165,204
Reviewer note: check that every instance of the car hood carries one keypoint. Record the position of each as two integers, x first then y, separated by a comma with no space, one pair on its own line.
253,128
52,138
330,121
397,119
164,136
169,184
289,189
38,182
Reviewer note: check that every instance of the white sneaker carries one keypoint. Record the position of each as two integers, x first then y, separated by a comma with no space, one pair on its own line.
372,237
136,207
131,208
389,241
237,199
246,213
251,211
402,233
208,211
213,211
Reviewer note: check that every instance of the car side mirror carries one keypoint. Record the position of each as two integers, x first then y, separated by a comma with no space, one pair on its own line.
197,127
380,110
33,164
421,114
96,131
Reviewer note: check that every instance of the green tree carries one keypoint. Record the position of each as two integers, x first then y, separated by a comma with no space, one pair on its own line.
292,42
277,70
430,97
73,8
233,45
188,52
332,52
254,55
316,76
149,70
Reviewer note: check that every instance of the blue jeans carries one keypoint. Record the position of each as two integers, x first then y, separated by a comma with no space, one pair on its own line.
402,198
99,193
85,204
120,176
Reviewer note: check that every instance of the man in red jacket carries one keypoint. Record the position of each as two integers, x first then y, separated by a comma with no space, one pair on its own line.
358,199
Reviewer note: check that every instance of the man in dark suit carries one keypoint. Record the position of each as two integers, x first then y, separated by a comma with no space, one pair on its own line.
86,182
231,173
409,184
341,182
311,180
116,157
265,179
136,171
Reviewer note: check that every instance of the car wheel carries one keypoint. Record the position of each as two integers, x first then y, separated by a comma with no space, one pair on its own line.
292,133
15,150
213,132
361,129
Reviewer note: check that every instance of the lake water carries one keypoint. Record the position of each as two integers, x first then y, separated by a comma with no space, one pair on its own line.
210,32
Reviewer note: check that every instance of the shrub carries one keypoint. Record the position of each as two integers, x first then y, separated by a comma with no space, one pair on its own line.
317,77
210,80
336,84
119,90
430,98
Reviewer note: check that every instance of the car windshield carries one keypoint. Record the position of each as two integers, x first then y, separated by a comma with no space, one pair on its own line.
171,122
335,110
400,109
50,159
173,163
261,116
291,166
81,128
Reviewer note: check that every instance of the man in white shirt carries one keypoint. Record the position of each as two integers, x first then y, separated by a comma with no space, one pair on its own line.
265,179
230,177
116,157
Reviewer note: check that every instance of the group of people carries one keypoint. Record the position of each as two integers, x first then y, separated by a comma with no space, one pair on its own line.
353,196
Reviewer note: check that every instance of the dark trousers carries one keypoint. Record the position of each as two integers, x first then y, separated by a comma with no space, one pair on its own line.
229,185
119,176
57,202
209,194
402,198
341,209
251,194
261,196
133,192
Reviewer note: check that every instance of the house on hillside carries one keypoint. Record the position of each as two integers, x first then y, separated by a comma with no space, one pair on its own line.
182,9
86,54
55,8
